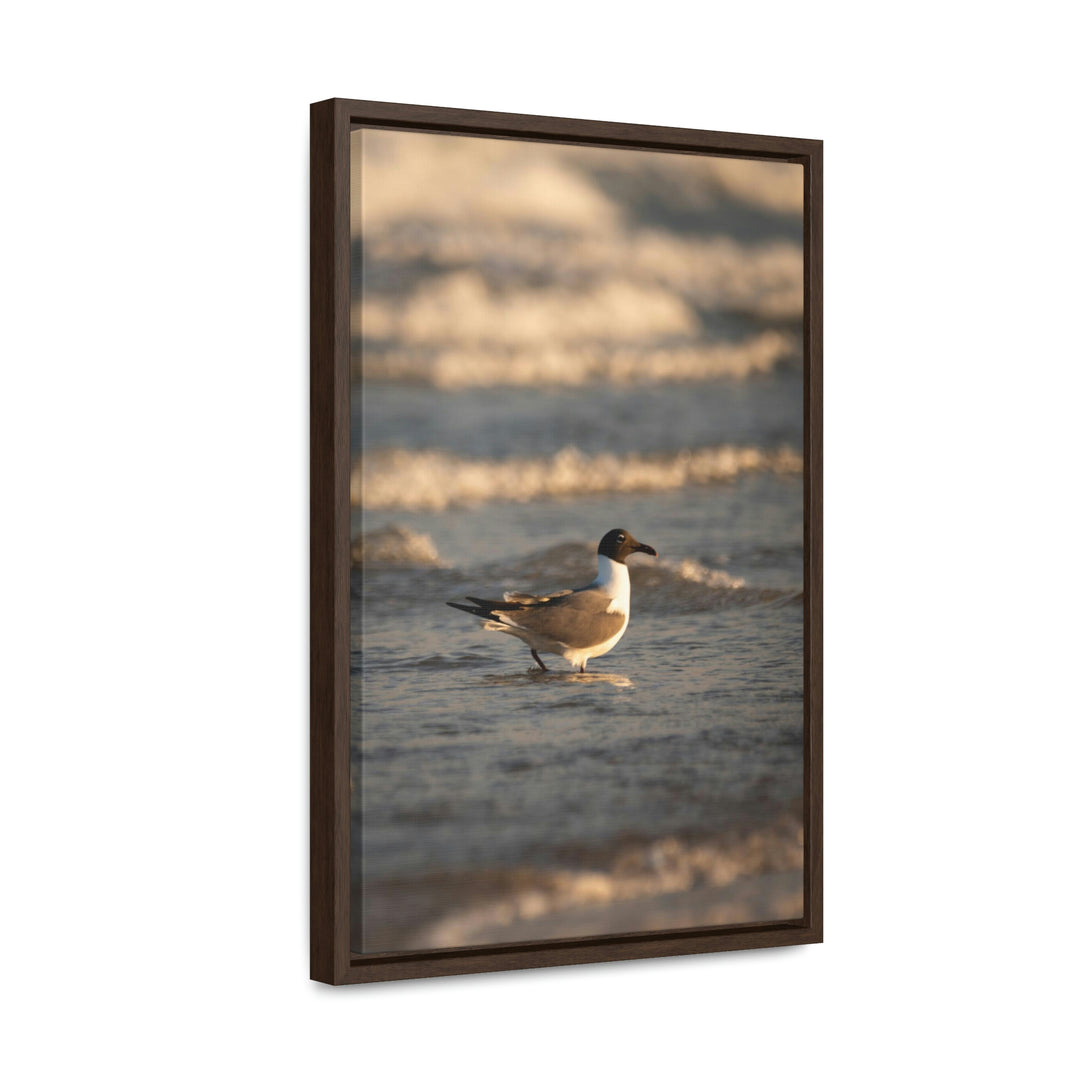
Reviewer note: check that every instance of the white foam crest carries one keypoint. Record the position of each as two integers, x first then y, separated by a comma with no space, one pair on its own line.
772,185
578,365
399,175
415,175
766,279
666,867
395,545
434,479
699,574
460,308
716,272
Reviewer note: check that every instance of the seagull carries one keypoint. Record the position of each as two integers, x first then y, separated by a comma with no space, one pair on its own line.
576,624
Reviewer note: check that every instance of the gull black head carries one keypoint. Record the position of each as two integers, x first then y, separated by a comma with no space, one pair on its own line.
618,544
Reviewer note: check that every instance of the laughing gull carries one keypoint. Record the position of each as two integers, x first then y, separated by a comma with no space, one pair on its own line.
577,624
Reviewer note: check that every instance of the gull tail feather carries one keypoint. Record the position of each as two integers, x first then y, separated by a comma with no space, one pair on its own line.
471,610
484,609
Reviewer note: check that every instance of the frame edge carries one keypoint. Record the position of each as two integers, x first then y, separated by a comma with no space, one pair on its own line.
329,584
331,958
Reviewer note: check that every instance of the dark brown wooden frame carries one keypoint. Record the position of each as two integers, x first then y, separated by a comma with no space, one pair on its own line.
331,958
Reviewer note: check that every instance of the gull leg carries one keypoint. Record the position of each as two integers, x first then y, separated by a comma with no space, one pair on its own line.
583,663
536,657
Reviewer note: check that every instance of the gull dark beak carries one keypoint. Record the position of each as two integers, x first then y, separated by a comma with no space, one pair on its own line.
645,549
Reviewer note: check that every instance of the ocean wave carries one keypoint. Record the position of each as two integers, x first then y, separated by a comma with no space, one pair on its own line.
656,885
553,364
687,585
394,545
772,185
401,175
696,573
417,175
462,308
434,479
718,272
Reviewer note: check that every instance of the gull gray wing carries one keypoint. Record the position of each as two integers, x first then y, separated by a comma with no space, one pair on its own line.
528,598
578,620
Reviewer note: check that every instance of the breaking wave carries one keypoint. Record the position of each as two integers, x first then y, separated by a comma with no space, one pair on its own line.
553,364
461,308
434,479
417,175
664,884
687,585
718,272
395,545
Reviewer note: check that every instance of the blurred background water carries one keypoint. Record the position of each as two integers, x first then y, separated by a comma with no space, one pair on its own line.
549,342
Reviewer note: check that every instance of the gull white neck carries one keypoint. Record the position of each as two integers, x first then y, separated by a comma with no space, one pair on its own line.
613,579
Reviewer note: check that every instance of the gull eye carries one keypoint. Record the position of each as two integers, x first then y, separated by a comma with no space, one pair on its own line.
621,538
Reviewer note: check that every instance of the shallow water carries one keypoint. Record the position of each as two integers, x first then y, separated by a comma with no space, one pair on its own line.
470,760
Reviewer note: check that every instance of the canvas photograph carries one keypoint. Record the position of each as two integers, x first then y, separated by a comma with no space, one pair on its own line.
576,684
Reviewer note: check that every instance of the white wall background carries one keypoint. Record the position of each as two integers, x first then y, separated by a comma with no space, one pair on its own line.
154,437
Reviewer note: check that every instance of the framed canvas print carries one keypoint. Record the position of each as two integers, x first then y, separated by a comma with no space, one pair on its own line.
565,541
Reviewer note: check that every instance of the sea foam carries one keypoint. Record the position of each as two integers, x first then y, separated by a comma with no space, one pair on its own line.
434,479
566,364
718,272
753,878
394,545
